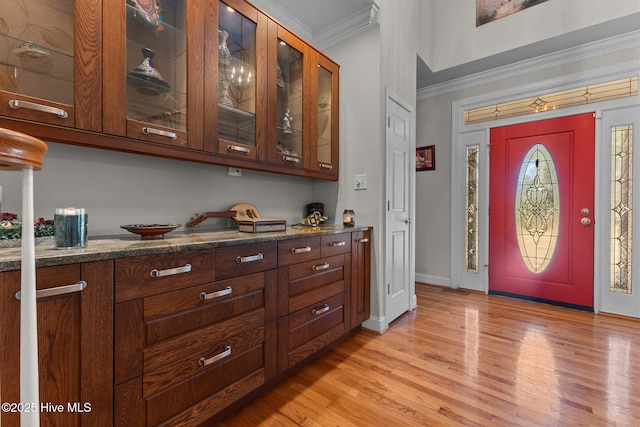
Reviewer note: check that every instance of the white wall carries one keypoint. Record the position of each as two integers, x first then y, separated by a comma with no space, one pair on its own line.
120,188
457,40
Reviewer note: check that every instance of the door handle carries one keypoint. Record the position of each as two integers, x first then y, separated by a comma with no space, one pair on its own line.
407,221
585,221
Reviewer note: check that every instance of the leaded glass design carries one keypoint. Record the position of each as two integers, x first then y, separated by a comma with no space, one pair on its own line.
537,208
471,233
621,208
554,101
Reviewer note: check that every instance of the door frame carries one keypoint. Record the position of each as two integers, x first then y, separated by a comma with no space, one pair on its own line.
464,135
392,97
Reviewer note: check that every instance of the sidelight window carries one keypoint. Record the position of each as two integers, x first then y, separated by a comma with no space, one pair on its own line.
471,232
621,208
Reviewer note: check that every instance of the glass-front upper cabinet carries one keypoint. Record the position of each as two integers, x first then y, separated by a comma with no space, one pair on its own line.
325,129
235,107
50,66
152,59
290,114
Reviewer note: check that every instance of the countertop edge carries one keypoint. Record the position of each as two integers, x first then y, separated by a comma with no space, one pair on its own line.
101,249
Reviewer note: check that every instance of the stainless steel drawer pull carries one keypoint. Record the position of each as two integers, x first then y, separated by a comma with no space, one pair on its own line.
325,166
16,104
301,250
152,131
334,244
60,290
363,240
290,159
226,353
317,311
170,271
238,149
242,259
213,295
320,267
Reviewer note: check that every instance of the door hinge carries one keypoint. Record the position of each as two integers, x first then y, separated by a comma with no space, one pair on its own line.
389,288
388,205
389,121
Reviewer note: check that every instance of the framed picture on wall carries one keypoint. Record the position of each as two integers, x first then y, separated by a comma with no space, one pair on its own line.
426,158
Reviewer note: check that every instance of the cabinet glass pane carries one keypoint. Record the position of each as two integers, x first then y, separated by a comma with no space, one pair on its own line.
236,77
289,105
324,116
36,49
157,62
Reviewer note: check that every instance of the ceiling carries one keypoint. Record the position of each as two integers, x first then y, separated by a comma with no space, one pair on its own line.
328,22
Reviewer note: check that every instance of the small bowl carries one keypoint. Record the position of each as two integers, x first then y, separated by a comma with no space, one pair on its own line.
150,231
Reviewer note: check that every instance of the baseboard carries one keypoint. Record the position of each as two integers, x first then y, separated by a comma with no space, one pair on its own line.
433,280
377,324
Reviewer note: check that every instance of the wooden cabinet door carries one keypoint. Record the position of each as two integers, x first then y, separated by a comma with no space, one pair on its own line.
360,277
153,75
235,80
52,62
323,157
75,345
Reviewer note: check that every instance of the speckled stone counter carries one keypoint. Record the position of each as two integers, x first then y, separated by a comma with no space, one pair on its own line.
121,246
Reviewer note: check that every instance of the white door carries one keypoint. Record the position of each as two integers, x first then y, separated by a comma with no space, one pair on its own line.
400,169
619,277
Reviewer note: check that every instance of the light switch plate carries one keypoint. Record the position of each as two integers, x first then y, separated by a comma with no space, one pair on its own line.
360,182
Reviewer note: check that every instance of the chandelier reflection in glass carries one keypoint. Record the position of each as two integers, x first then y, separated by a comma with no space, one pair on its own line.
235,72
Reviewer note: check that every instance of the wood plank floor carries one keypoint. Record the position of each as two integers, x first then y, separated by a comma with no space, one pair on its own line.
468,360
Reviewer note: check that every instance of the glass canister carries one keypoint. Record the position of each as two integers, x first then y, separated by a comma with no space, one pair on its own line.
70,228
348,218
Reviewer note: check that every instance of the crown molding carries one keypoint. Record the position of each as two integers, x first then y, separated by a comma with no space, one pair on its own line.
556,59
348,27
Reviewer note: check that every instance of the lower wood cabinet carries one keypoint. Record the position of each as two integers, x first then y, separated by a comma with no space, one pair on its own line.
75,344
182,338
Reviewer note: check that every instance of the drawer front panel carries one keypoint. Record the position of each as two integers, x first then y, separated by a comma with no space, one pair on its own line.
239,260
181,397
311,322
334,244
298,250
203,340
205,357
137,277
173,313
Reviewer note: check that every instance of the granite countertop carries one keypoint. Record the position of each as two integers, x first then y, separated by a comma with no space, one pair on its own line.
112,247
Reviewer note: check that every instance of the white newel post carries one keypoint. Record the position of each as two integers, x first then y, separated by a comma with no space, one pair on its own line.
29,386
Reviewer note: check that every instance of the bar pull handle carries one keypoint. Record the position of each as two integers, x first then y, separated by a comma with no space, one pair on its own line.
291,159
301,250
243,150
325,166
170,271
317,311
252,258
363,240
320,267
213,295
226,353
16,104
60,290
153,131
337,244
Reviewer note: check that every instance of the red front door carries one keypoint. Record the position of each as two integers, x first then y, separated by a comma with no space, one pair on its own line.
541,210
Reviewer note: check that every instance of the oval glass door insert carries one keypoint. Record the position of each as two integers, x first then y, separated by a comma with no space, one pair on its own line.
537,208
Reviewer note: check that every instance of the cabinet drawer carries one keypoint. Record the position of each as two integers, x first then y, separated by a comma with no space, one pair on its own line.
298,250
309,330
174,361
335,244
305,284
137,277
238,260
176,312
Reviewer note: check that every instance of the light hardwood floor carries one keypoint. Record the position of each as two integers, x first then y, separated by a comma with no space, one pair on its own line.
468,360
